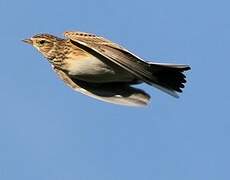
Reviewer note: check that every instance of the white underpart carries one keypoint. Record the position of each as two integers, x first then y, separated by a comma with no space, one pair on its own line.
90,66
92,69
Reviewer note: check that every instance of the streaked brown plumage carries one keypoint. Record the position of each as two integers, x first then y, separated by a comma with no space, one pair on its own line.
104,70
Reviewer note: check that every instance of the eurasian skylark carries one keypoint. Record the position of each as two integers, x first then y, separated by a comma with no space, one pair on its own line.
104,70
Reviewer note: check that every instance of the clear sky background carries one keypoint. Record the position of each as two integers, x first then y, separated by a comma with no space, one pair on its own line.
49,132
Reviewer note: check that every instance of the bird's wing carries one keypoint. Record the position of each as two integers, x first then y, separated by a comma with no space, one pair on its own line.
99,46
112,93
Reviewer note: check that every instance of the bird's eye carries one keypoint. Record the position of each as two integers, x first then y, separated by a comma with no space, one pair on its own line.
42,42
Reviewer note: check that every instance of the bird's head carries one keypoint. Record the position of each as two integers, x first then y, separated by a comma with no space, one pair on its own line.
44,43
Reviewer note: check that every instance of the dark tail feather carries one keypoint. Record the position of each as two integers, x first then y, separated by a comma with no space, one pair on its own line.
169,77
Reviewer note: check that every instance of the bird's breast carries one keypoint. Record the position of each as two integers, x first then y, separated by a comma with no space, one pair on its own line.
92,69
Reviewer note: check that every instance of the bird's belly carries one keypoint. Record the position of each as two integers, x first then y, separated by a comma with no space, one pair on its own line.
92,69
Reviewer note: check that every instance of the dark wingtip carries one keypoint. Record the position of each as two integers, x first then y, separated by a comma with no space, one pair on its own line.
187,68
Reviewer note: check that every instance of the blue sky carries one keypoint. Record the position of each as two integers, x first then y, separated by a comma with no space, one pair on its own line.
49,132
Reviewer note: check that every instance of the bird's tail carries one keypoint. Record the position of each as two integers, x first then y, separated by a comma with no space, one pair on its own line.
169,77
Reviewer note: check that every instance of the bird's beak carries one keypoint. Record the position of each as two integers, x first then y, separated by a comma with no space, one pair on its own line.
28,41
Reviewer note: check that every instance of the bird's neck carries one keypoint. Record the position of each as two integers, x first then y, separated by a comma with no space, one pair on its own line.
53,52
56,55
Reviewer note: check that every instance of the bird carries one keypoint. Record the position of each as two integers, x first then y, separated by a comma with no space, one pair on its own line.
102,69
